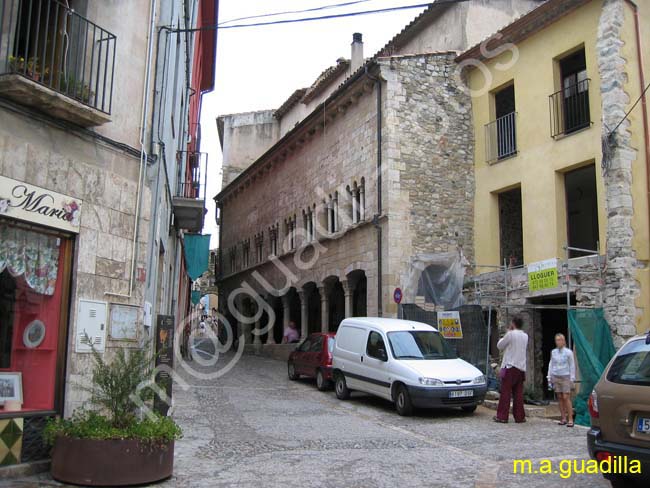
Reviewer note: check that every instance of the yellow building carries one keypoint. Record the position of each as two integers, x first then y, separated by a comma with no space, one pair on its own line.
547,90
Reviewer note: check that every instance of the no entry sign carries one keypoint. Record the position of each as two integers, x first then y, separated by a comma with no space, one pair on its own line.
397,295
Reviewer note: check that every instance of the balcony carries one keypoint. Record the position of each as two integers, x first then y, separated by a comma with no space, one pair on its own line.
501,138
55,60
189,198
569,109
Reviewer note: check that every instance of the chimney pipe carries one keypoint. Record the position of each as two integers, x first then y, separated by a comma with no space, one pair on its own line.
356,59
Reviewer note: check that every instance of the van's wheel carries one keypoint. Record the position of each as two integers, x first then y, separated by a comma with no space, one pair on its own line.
321,383
291,370
469,408
403,401
341,387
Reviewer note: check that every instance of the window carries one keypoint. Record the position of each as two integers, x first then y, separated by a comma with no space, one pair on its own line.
34,290
317,344
273,240
582,209
419,344
305,346
233,260
501,140
358,195
290,232
375,347
632,365
246,248
259,247
511,232
308,216
570,106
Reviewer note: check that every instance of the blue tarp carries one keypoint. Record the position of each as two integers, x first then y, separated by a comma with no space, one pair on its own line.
197,254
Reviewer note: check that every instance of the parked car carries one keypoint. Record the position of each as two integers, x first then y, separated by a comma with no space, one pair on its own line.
408,363
313,358
620,409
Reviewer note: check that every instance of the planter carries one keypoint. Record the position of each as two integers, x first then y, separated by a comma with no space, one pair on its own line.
118,462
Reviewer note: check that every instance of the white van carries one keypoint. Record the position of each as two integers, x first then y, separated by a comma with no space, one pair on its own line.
406,362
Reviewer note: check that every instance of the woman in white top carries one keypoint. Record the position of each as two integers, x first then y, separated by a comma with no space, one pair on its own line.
561,375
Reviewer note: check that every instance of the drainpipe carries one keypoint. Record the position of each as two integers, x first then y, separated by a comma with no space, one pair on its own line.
377,216
143,151
644,106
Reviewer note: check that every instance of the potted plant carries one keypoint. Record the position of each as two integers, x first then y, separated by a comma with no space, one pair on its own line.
76,89
113,444
30,67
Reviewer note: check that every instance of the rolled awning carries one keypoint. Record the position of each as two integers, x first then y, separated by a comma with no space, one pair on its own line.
197,254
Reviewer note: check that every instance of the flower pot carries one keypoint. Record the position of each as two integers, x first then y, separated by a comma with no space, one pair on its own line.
114,462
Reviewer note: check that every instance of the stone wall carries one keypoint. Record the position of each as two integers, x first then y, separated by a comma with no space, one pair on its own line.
429,160
333,159
106,180
622,286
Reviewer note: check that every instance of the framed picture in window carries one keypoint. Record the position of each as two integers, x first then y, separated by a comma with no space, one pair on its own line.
11,387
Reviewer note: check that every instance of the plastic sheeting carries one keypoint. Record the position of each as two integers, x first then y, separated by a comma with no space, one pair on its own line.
438,278
594,349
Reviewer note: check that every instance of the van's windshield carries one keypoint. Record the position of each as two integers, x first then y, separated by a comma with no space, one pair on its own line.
419,344
632,365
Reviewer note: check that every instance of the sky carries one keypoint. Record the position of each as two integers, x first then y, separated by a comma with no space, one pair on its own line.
259,67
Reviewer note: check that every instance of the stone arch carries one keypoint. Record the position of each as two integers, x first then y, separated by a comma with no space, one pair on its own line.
312,296
358,289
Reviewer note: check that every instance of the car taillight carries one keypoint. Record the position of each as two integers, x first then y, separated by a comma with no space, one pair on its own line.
603,455
593,405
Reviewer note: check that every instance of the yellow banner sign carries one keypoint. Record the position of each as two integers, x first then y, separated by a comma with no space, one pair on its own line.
449,325
543,275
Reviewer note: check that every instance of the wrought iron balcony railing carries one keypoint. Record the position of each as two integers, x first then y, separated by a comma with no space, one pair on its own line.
192,181
569,109
52,45
501,138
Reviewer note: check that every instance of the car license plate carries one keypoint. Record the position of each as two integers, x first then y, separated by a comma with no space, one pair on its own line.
643,425
461,393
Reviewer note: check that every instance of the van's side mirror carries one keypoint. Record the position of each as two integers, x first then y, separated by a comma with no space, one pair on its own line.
382,354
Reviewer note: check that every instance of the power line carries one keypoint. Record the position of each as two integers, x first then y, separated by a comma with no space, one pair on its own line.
323,7
332,16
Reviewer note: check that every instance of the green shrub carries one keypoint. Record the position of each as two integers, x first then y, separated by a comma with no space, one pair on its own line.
118,389
92,425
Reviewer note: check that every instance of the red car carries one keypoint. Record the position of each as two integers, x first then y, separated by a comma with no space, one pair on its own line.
313,358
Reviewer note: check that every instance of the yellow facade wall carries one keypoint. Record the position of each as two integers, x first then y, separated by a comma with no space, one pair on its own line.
541,161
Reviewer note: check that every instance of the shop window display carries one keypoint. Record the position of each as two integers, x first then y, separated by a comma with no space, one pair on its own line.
34,280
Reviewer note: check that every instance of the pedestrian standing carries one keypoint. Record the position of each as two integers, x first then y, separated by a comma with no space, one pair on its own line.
513,372
561,376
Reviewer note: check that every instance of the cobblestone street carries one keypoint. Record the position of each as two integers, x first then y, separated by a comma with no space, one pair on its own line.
253,427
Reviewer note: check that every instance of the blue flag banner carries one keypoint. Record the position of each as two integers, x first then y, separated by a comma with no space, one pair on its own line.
197,254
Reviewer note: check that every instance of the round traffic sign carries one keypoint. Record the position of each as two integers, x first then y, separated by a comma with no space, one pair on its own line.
397,295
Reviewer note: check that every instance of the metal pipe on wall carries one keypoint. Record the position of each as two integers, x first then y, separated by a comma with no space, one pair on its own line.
143,151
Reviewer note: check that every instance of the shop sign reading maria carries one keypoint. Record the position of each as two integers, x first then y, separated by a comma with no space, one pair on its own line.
37,205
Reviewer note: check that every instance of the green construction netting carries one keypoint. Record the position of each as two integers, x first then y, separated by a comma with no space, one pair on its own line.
594,348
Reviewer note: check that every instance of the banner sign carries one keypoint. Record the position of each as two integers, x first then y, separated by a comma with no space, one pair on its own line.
543,275
449,325
39,206
164,357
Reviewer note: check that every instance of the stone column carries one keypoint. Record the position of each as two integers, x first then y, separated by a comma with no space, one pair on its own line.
286,312
324,308
304,314
348,291
269,336
354,207
257,339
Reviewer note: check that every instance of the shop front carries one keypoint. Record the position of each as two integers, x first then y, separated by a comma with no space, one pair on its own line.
38,231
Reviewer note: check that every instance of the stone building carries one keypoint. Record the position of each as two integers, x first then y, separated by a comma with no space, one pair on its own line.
561,168
76,220
329,199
